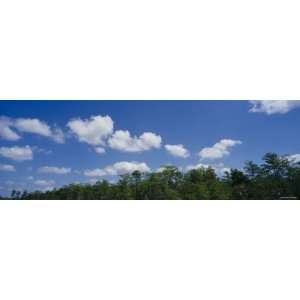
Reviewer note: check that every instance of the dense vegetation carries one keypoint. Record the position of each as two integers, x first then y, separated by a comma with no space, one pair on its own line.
275,178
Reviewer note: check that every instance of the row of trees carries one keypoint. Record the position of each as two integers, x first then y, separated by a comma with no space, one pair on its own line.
275,178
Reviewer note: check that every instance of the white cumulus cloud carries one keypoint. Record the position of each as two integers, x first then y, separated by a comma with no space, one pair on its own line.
58,135
5,130
118,168
54,170
93,180
294,158
270,107
95,173
8,168
33,126
17,153
92,131
177,150
99,150
197,166
164,167
218,150
44,183
122,140
23,125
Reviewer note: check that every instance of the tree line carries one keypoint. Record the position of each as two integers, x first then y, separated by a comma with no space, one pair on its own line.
275,178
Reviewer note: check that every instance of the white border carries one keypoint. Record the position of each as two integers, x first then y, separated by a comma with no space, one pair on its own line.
149,250
160,49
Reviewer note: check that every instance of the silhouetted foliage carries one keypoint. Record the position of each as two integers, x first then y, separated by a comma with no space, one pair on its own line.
276,177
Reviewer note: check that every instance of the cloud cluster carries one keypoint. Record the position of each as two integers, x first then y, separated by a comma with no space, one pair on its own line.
92,131
10,129
118,168
99,131
218,150
177,150
270,107
122,140
54,170
7,168
17,153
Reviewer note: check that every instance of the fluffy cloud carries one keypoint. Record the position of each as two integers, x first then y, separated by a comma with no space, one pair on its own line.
58,135
274,106
97,130
218,150
93,180
17,153
54,170
197,166
164,167
99,150
121,140
5,130
34,126
44,182
160,169
294,158
118,168
92,131
177,150
95,173
220,169
8,168
47,188
45,185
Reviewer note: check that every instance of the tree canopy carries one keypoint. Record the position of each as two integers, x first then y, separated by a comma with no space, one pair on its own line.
275,178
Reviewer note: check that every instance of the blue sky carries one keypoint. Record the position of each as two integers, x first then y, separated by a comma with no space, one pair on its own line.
46,144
